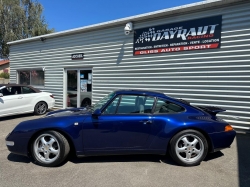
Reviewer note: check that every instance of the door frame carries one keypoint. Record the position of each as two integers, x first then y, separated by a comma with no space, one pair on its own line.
65,83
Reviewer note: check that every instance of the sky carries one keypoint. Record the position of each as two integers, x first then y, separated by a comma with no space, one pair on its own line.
70,14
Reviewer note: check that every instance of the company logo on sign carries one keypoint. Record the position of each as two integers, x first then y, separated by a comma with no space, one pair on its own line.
191,35
167,34
77,56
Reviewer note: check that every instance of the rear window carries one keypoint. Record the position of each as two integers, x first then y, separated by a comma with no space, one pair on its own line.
27,90
167,107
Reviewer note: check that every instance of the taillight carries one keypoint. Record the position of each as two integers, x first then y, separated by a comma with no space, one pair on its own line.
228,128
72,95
52,96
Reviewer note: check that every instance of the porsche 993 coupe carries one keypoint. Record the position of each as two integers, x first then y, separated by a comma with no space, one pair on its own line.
124,122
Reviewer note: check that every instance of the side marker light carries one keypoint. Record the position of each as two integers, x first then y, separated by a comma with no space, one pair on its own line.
228,128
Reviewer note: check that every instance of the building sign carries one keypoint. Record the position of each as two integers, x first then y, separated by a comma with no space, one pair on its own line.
196,34
78,56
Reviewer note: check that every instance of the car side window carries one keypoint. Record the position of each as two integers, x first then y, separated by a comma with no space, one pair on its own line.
167,107
15,90
112,106
132,104
27,90
5,92
11,90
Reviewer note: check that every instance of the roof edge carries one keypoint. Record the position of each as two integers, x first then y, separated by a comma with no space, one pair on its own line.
184,8
3,62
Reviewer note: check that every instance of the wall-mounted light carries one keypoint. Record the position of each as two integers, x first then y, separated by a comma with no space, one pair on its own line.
42,39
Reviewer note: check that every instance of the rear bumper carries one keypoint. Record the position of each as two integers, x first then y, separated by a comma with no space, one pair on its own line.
222,140
51,104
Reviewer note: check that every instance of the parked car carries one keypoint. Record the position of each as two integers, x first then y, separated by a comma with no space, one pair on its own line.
124,122
19,99
85,97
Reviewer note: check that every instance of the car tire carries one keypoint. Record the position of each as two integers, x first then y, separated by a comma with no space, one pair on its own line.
41,108
86,102
50,148
188,148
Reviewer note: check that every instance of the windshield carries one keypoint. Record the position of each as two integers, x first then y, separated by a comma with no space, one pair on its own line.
103,101
2,87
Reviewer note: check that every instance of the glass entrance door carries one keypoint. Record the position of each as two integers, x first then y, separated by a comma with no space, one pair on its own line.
79,87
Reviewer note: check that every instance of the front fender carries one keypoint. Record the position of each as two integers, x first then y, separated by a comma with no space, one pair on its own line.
25,131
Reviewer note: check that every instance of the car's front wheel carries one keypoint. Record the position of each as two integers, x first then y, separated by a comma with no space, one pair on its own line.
41,108
188,147
50,148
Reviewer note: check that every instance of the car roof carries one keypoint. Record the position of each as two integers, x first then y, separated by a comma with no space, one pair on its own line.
140,92
151,93
7,85
15,85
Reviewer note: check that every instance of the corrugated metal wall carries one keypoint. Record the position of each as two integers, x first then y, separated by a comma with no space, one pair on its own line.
208,77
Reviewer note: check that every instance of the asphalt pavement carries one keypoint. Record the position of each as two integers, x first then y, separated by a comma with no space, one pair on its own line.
229,167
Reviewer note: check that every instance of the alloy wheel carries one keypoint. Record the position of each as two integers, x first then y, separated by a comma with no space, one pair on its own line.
189,148
41,108
46,148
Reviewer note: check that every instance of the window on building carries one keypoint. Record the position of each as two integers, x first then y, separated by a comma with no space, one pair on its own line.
31,77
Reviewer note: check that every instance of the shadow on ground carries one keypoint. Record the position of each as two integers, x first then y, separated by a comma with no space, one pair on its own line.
102,159
243,148
116,158
123,158
18,158
16,117
212,156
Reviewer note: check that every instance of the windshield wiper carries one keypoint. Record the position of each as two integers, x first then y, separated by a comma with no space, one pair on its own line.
89,107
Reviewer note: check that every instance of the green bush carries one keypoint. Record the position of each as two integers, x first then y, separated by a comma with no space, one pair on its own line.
5,75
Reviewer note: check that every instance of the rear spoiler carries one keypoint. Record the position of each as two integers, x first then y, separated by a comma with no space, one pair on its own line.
211,109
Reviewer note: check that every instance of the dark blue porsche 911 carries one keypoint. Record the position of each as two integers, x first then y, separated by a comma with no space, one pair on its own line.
124,122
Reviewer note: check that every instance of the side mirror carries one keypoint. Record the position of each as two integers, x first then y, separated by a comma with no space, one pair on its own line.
97,112
1,95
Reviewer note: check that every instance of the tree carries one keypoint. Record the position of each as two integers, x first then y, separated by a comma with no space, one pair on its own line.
20,19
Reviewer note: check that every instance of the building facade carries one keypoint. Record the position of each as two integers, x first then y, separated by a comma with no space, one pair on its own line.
90,62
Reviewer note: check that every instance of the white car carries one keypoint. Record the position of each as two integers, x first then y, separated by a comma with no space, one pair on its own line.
85,98
19,99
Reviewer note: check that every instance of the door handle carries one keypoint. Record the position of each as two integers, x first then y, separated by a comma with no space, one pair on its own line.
20,97
146,122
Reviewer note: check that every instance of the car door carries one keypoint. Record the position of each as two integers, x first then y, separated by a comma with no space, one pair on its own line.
125,124
11,102
28,98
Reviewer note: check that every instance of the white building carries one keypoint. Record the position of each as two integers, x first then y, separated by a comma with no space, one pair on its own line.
199,52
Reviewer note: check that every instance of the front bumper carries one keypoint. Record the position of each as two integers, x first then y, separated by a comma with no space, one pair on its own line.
17,145
221,140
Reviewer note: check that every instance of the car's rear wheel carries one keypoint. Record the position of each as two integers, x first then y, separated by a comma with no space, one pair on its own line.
50,148
86,102
40,108
188,147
